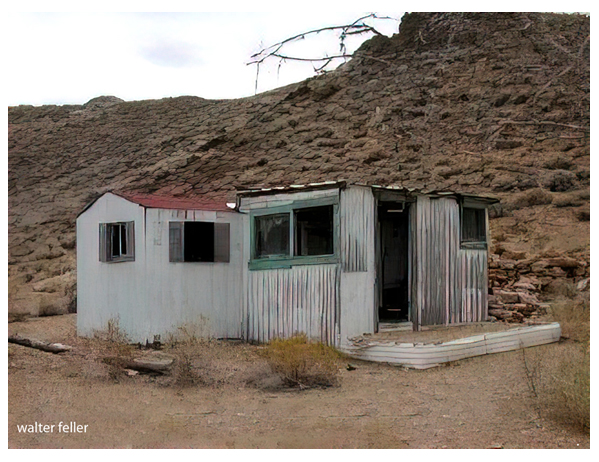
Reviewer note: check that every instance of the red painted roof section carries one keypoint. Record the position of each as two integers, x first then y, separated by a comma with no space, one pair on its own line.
177,203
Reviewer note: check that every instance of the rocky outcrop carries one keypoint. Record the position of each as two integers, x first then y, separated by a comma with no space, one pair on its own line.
483,103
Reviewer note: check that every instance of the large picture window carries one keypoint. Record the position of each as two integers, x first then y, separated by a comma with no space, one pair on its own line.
293,236
198,241
117,242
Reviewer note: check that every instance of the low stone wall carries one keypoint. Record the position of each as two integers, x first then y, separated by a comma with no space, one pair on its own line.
517,288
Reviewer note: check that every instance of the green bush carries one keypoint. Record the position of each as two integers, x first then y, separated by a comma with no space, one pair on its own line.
302,363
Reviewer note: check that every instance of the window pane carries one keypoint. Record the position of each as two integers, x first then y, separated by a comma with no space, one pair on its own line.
314,231
123,239
198,240
473,225
272,235
115,244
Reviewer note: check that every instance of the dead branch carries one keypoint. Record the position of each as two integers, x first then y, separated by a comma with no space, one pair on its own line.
39,345
274,51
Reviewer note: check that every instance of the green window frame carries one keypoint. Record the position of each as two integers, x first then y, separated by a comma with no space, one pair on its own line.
285,255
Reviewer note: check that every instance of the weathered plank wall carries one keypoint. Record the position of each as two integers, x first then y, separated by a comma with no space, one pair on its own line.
287,301
451,282
357,228
151,295
204,297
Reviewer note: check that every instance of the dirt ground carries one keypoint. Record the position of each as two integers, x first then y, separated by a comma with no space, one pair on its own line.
483,402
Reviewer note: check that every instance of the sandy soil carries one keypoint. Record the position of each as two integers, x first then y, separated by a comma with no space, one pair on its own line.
482,402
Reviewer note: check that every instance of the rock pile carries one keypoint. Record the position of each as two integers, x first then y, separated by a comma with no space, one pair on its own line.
517,286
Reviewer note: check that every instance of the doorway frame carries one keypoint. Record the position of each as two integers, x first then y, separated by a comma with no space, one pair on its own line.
399,197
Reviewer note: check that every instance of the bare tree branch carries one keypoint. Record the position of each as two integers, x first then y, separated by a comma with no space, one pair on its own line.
274,51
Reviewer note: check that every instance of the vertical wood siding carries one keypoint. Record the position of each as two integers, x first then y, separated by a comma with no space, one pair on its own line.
357,228
450,283
283,302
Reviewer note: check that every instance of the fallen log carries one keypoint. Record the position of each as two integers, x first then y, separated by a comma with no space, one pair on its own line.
160,366
38,344
147,364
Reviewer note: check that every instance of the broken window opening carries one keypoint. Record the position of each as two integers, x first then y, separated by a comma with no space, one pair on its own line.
199,242
117,242
314,231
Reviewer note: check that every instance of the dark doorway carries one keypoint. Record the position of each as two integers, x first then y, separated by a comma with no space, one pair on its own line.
393,262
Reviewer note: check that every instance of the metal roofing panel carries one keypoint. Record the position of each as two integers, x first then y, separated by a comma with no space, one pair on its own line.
174,203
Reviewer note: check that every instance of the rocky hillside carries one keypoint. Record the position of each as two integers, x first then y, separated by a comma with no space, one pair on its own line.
484,103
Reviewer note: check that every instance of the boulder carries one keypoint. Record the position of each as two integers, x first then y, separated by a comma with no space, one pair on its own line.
507,297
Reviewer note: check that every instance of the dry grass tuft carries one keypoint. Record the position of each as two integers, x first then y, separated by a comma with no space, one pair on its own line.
559,375
302,363
574,315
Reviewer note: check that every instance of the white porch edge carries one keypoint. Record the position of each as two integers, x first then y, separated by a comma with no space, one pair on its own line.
424,356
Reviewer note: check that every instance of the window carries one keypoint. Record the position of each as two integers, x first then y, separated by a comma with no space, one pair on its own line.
474,225
117,242
314,231
198,241
293,235
272,236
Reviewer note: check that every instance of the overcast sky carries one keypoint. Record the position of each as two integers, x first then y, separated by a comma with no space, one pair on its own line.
69,58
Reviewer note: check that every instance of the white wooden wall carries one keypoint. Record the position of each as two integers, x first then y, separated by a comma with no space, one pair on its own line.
151,295
358,274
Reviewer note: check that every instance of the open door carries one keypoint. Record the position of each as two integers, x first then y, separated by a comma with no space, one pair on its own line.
393,262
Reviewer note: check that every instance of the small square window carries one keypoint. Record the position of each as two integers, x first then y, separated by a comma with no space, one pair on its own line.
117,242
474,225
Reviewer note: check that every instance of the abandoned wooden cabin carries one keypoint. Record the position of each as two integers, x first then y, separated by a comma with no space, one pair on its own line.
332,260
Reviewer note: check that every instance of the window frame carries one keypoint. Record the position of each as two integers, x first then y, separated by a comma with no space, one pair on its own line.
221,242
287,261
474,244
105,242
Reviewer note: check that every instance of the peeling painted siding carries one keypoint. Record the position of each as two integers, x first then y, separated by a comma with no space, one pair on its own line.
283,302
151,295
358,274
450,283
357,227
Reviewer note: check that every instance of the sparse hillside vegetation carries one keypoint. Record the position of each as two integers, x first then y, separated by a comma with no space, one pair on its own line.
495,103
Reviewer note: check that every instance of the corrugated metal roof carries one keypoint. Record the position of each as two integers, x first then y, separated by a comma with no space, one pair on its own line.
156,201
343,183
177,203
292,188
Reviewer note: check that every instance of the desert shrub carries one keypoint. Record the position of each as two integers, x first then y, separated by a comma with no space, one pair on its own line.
184,373
571,388
113,333
574,316
302,363
187,343
536,196
561,181
583,213
568,200
558,162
